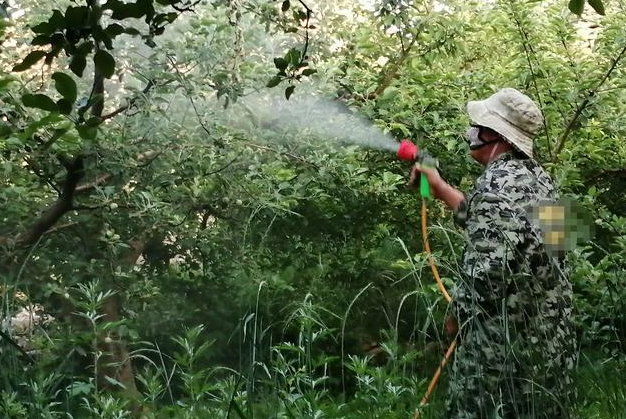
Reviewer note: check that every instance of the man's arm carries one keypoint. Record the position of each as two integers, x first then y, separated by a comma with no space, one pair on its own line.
440,188
450,195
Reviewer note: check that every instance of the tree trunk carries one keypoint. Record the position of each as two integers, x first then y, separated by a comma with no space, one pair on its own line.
115,361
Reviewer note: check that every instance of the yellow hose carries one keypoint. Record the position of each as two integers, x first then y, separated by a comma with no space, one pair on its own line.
435,379
442,288
431,261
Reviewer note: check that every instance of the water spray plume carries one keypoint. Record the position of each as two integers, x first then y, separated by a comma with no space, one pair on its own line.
320,118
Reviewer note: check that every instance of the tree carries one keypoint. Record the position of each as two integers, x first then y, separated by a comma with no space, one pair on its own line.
130,192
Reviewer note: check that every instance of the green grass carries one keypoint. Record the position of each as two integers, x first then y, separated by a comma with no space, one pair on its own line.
601,385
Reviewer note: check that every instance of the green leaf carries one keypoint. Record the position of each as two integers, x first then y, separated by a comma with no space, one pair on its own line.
285,6
58,41
299,15
39,101
164,18
289,91
389,93
238,409
104,63
58,132
77,64
48,121
65,106
87,132
92,122
77,388
6,81
114,30
5,130
577,6
93,18
274,81
100,35
293,56
65,85
280,63
132,31
42,39
309,71
598,6
52,55
137,10
55,23
43,28
76,17
114,382
122,11
85,48
30,60
57,19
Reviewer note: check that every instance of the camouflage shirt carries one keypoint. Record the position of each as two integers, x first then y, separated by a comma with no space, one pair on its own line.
513,304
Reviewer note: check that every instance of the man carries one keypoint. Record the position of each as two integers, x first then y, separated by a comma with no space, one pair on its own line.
513,303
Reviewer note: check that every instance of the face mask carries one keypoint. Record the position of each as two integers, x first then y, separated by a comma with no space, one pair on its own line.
472,137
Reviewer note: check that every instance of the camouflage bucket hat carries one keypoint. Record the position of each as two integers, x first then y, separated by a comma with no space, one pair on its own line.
511,114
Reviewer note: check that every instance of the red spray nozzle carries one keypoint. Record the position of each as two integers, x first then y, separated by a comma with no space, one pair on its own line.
407,151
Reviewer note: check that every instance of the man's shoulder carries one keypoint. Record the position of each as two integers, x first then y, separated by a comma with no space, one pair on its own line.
510,175
509,167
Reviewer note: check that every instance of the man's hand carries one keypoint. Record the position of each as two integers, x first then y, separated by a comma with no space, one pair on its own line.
434,179
439,188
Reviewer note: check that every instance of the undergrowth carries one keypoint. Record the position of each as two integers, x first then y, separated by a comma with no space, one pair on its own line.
295,379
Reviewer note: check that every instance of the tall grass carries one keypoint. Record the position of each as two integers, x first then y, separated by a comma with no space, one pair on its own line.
296,379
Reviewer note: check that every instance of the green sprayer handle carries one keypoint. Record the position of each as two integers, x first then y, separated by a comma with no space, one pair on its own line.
424,186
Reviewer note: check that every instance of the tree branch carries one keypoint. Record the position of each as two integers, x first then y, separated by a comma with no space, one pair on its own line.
227,165
98,89
585,103
75,168
303,56
11,342
395,67
87,207
284,153
40,175
147,156
188,8
193,103
130,103
61,227
205,219
75,172
527,45
208,211
87,187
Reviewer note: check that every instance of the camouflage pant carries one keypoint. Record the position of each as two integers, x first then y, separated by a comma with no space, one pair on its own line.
515,355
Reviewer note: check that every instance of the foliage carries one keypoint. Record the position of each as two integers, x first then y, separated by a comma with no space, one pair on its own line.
136,208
